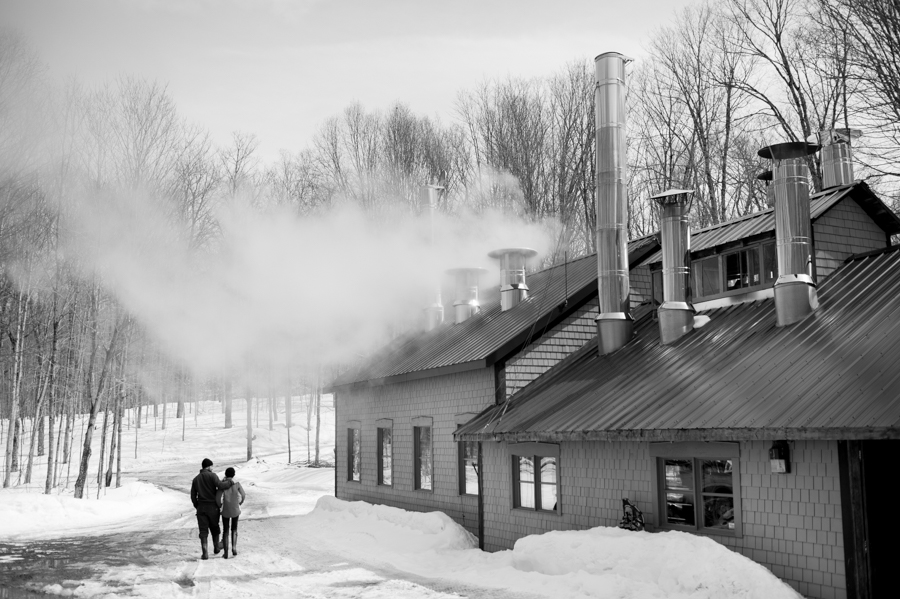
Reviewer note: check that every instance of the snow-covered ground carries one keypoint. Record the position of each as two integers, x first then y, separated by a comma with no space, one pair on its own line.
297,540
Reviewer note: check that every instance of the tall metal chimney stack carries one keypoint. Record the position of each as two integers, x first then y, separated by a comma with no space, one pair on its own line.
676,314
434,313
465,304
795,291
513,289
615,326
837,156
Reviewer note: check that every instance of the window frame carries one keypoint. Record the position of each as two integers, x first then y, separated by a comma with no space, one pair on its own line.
535,451
721,257
381,426
420,423
697,452
354,429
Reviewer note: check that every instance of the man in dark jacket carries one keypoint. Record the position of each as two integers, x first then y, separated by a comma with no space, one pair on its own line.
203,496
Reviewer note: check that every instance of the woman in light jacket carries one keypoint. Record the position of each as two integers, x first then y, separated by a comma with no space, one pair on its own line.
230,501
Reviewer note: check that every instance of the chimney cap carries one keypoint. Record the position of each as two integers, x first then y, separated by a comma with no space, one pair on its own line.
627,59
671,196
827,137
526,252
790,149
765,176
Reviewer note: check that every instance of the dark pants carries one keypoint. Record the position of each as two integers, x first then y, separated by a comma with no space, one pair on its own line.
229,523
208,519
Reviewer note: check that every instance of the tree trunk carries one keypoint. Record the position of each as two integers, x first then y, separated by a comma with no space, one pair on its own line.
95,394
318,413
228,423
288,405
51,397
102,446
249,425
18,356
40,437
119,444
70,433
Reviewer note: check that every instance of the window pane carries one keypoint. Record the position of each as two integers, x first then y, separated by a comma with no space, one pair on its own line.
548,470
679,475
526,469
680,508
425,457
471,477
735,271
355,454
387,469
548,483
526,482
717,476
769,263
706,277
752,274
718,512
470,465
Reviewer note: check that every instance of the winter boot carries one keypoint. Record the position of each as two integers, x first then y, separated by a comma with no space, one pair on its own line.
203,545
233,542
217,546
225,545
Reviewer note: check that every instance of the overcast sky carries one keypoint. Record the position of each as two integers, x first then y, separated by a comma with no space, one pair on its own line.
278,68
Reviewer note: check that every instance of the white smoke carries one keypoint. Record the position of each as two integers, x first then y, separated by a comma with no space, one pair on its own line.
281,290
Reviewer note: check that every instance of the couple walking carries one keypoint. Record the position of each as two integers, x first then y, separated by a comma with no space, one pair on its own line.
213,497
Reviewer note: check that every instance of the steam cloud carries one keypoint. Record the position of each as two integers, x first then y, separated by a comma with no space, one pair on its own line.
280,290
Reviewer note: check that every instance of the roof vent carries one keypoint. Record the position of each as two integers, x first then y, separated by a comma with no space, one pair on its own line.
676,314
837,157
795,291
466,305
513,289
615,326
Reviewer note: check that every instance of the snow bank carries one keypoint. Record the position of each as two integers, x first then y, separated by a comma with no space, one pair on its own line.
602,562
29,515
394,529
616,563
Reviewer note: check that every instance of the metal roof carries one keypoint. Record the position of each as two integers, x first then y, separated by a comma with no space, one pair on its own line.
764,221
833,375
492,334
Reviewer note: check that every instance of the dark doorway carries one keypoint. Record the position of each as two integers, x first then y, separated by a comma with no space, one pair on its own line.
868,493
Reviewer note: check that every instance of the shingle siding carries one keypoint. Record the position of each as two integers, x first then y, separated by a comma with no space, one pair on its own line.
566,337
441,398
843,231
641,286
791,522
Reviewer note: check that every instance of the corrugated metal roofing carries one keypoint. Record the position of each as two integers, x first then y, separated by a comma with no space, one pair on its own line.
764,221
488,336
739,377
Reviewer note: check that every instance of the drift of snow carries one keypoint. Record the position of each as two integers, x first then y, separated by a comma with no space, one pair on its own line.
603,562
133,506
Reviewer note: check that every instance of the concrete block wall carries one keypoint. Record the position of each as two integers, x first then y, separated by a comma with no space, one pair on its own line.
791,522
566,337
441,398
844,230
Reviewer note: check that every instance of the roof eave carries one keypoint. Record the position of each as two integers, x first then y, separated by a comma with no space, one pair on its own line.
672,435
